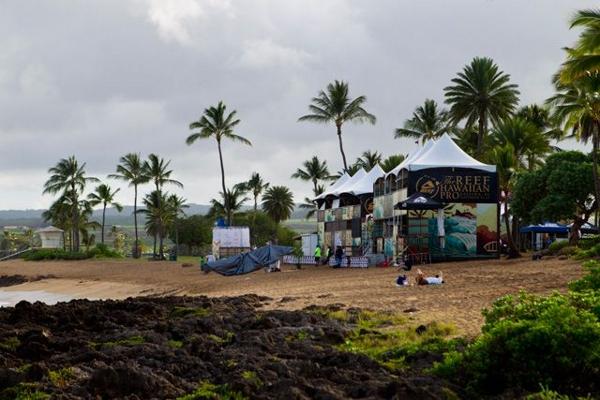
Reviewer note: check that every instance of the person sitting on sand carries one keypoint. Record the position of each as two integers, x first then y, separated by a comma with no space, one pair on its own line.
402,280
429,280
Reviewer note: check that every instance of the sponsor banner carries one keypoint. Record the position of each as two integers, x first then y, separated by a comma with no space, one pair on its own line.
455,185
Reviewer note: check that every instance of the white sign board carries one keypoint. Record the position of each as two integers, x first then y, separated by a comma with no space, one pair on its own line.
235,236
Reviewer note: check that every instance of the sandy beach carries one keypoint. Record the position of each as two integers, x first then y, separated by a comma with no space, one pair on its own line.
470,286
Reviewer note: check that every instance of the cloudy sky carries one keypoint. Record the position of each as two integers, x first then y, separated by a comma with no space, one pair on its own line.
99,79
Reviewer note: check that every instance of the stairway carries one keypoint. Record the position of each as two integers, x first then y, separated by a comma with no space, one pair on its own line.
15,254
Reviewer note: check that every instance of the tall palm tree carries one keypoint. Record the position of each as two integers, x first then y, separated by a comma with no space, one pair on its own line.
428,122
577,107
106,196
528,143
59,215
335,105
131,169
177,206
314,171
158,172
278,203
256,185
543,121
392,162
369,159
584,57
216,123
69,177
232,201
158,218
506,166
481,94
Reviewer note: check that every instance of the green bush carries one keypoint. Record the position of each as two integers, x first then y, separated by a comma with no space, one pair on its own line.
100,251
531,340
568,251
591,281
588,242
557,245
592,252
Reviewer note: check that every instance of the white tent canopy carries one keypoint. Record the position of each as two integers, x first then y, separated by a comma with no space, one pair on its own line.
445,153
341,180
411,157
365,185
349,184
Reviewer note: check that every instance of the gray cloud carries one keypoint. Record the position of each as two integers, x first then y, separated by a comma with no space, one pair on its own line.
101,78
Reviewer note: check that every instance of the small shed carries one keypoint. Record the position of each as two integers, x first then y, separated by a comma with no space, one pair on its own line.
51,237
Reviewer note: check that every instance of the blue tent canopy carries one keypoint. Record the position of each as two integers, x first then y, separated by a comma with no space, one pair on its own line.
248,262
547,227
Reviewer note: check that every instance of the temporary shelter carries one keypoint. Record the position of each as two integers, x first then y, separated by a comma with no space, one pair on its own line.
51,237
248,262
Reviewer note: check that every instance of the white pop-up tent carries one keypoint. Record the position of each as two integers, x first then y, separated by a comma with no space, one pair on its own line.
445,153
365,184
411,157
338,183
349,184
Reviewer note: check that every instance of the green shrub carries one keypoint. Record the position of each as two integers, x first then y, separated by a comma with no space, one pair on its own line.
531,340
592,252
589,242
557,245
568,251
100,251
591,281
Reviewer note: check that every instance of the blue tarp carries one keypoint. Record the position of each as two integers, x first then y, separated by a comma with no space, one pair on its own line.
248,262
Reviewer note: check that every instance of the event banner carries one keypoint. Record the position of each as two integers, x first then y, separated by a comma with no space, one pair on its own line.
455,185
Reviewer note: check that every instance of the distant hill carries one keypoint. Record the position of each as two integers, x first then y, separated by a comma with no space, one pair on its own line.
33,218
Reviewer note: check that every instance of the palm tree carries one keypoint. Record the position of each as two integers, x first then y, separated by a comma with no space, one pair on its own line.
309,204
256,185
577,107
104,195
368,160
278,203
59,215
69,177
528,143
428,122
233,201
335,105
131,169
541,118
158,172
481,94
351,170
392,162
158,217
314,171
177,206
506,166
584,58
216,123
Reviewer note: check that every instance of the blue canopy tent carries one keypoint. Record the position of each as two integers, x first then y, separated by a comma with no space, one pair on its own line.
547,227
248,262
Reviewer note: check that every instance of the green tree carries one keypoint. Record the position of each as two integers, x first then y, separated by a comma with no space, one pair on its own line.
392,162
193,232
131,169
278,203
369,160
104,195
314,171
159,217
256,185
69,178
577,108
158,172
528,143
584,57
506,166
217,124
351,170
335,105
562,189
232,202
177,206
481,94
428,122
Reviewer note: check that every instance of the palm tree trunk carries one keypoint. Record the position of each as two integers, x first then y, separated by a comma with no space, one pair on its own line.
160,250
513,252
225,202
595,145
136,253
481,132
103,221
154,247
255,203
339,133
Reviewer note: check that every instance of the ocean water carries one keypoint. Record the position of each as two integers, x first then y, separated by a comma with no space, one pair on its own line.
10,298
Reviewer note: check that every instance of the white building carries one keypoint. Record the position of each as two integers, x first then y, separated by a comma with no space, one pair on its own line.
52,237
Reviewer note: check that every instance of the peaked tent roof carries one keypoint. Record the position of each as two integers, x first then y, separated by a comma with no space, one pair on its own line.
546,227
341,180
365,185
349,183
49,229
411,157
445,153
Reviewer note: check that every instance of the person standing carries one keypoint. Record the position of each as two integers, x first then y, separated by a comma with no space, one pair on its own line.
317,255
328,254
